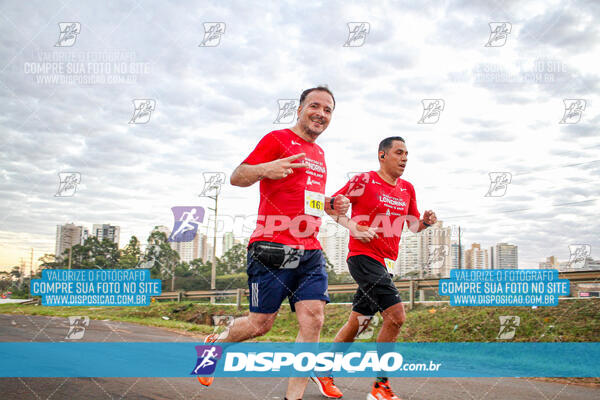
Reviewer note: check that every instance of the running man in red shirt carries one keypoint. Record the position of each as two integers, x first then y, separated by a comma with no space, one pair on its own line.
285,259
381,203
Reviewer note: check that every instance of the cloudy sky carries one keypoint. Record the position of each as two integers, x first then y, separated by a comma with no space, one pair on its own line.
67,103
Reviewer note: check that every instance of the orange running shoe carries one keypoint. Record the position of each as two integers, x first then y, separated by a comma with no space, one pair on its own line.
208,380
327,387
382,391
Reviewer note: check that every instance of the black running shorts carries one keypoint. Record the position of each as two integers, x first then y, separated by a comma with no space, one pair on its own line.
376,290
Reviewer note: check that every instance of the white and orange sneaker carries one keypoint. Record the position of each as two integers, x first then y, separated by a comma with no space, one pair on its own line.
327,387
382,391
208,380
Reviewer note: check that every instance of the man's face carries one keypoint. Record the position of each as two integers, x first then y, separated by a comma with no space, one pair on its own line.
395,158
315,113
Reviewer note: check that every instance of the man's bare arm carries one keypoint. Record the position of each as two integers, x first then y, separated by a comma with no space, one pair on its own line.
429,218
363,233
246,175
341,205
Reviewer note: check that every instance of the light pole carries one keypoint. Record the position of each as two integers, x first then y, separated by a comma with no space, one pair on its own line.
459,250
212,183
31,265
213,265
69,235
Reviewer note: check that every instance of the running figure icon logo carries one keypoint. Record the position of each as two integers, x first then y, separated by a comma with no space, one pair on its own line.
68,184
68,33
579,254
432,109
573,111
508,326
499,32
291,258
366,326
357,34
287,111
207,359
498,184
212,183
212,34
142,109
187,220
358,182
77,327
151,256
224,322
437,257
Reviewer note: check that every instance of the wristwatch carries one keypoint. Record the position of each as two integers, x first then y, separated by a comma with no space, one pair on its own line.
331,202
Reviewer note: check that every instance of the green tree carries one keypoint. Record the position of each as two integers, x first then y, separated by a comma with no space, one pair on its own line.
94,254
131,255
48,261
161,258
411,274
5,281
16,272
233,261
328,263
182,269
200,275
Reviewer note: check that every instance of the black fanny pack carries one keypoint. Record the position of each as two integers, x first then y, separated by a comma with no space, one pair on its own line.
276,255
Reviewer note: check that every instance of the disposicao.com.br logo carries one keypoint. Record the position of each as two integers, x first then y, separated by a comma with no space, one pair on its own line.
323,362
269,359
366,359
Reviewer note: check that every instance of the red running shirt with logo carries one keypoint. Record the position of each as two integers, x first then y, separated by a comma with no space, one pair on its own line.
290,208
377,204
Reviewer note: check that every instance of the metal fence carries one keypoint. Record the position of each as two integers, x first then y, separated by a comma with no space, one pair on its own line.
412,285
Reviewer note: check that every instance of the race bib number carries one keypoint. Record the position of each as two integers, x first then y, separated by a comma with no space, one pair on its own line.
389,265
314,203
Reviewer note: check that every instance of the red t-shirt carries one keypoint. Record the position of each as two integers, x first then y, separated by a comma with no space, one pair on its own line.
282,211
377,204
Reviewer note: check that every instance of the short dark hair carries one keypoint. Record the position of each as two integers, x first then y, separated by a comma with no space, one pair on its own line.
386,143
321,88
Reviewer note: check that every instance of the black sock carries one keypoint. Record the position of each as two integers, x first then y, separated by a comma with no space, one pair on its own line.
381,379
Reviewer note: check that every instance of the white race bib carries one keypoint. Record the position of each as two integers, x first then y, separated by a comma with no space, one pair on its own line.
314,203
389,264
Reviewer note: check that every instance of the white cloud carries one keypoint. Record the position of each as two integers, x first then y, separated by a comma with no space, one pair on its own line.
214,104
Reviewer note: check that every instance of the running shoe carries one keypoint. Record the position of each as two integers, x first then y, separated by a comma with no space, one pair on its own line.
382,391
208,380
327,387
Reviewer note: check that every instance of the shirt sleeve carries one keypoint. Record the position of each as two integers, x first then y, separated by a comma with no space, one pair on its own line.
342,191
412,208
355,187
268,149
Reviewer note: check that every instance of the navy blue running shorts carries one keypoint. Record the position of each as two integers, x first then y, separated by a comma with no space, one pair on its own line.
270,286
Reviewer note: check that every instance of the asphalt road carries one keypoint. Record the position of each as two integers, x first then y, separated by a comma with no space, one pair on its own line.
20,328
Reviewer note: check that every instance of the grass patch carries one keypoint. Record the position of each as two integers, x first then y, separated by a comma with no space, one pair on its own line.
570,321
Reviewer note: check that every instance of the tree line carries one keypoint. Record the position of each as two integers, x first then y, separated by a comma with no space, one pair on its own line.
163,261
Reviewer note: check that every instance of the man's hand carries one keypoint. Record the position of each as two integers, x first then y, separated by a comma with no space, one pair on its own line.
363,233
283,167
429,217
341,205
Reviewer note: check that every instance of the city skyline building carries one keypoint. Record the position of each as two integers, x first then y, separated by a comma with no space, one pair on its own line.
228,241
107,231
476,257
454,254
427,253
334,240
189,251
408,254
506,256
67,236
